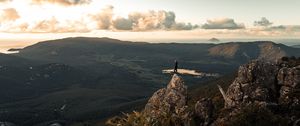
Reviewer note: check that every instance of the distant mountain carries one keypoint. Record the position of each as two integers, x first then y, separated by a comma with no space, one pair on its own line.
97,50
252,50
93,78
296,46
14,49
214,40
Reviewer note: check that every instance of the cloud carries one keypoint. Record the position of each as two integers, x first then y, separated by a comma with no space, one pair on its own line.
62,2
185,26
122,24
51,25
151,20
2,1
103,18
263,22
54,26
9,14
222,23
286,28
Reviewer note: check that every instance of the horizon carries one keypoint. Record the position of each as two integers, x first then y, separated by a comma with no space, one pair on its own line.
25,22
6,45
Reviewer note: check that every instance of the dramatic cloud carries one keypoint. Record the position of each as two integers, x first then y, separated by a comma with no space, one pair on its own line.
103,18
9,14
151,20
122,24
223,23
62,2
263,22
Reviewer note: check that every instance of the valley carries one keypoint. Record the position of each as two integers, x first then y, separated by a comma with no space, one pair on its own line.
79,79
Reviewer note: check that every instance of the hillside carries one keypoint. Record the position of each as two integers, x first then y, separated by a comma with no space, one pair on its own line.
95,78
296,46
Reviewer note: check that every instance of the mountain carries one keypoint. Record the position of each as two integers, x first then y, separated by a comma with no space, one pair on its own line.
11,60
76,79
247,51
214,40
95,51
262,94
296,46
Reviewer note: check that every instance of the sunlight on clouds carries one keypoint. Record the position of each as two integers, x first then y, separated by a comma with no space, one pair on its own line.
64,18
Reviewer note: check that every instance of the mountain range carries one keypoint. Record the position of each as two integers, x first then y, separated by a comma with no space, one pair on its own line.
80,78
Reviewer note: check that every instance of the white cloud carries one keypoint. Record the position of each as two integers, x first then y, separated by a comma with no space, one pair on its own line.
222,23
263,22
62,2
9,14
151,20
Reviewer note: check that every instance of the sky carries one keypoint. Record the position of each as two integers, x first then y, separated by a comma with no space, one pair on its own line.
29,21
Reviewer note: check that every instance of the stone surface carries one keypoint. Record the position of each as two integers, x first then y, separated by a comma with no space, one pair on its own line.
272,85
256,82
169,101
204,110
289,80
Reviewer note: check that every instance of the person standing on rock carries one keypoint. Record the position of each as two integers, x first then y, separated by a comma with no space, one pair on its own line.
176,66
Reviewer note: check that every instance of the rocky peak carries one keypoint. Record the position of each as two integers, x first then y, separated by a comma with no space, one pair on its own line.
177,84
168,101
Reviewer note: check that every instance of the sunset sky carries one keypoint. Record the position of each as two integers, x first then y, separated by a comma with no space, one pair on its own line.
148,20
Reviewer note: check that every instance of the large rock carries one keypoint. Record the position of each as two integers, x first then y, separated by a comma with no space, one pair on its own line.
264,82
289,80
271,85
256,82
170,101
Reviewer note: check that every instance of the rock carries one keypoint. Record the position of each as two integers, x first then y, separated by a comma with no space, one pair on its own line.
204,111
289,80
267,85
256,82
169,101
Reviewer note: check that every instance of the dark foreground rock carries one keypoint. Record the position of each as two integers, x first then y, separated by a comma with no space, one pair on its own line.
266,85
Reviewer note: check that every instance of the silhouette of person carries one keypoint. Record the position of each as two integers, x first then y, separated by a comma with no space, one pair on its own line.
176,66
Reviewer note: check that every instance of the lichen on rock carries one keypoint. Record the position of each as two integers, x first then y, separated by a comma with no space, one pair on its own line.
169,101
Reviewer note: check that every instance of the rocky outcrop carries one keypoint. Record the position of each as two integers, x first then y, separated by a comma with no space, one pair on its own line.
203,111
256,82
265,84
170,102
289,81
